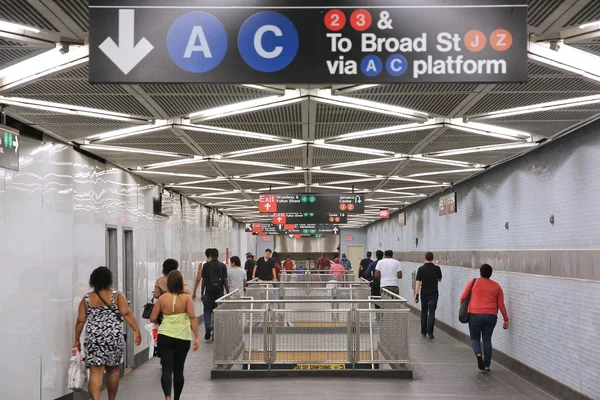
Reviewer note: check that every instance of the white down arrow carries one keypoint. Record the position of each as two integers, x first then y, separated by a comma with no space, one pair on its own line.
126,55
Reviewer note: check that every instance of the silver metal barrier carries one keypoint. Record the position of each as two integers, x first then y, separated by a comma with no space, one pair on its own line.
337,327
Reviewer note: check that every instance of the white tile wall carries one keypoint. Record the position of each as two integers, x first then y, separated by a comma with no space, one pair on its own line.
53,216
555,322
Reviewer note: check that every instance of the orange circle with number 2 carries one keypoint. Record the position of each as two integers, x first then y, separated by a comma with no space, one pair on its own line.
501,40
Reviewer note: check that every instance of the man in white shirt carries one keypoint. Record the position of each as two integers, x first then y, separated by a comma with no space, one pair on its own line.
389,271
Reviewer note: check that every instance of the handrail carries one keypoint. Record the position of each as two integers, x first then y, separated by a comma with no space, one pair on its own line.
352,283
283,301
227,295
394,295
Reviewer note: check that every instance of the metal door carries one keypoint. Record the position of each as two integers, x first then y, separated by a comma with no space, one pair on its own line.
355,254
128,288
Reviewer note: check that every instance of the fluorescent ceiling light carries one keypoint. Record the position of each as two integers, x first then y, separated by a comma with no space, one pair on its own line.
351,149
566,58
589,24
10,25
265,88
468,127
158,125
349,189
195,187
166,164
386,201
254,163
456,171
230,132
217,179
223,193
393,130
353,88
170,174
361,162
317,170
296,186
228,202
419,187
266,149
101,147
353,181
70,109
405,179
512,133
398,193
272,173
461,164
289,97
495,147
268,182
325,96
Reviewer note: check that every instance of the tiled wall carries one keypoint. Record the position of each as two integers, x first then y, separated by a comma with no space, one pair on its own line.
53,218
554,319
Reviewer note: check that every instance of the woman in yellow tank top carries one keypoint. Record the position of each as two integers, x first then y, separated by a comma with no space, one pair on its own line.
175,332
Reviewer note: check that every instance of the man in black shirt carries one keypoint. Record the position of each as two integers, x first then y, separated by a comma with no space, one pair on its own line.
214,286
428,277
249,266
364,264
265,268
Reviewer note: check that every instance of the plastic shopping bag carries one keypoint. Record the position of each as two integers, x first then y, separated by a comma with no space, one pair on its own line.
153,330
77,372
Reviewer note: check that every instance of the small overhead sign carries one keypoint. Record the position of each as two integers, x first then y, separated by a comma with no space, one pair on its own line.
402,219
310,217
384,214
278,41
9,148
311,203
447,204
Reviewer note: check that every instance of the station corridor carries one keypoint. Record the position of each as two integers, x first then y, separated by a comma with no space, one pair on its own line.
445,369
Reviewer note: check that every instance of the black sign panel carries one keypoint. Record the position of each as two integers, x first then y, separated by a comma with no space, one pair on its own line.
9,148
315,218
447,204
278,41
307,203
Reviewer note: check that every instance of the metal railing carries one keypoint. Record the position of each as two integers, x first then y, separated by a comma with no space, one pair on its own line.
285,326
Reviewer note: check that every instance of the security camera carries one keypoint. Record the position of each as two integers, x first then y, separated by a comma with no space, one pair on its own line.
64,49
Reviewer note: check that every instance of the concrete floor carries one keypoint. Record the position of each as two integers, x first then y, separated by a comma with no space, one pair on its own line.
444,369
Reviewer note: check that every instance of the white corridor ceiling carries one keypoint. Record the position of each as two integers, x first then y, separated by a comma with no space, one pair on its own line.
225,144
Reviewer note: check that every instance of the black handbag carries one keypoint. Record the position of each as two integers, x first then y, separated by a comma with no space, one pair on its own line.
463,312
148,307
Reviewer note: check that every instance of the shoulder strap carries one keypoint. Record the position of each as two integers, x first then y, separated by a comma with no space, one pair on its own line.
472,284
174,301
109,307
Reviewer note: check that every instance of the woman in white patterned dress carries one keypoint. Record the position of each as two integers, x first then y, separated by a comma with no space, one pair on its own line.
104,310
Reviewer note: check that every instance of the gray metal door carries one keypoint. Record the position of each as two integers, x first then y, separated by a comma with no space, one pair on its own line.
128,291
112,261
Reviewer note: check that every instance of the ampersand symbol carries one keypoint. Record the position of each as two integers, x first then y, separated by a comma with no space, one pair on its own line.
384,21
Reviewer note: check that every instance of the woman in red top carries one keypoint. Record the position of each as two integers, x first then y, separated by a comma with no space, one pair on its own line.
486,298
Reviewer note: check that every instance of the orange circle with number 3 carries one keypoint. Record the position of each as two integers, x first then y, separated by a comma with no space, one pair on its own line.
501,40
475,41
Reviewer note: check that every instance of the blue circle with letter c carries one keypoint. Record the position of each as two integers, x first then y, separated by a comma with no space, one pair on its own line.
396,64
268,41
197,42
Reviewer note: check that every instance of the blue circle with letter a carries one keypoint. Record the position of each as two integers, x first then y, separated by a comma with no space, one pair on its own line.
371,66
268,41
197,42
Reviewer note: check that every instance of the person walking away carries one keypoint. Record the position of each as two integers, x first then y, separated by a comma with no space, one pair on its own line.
249,266
364,265
265,268
175,333
427,279
200,271
214,283
370,275
237,277
323,264
337,270
288,264
160,286
389,271
104,310
487,298
347,264
277,263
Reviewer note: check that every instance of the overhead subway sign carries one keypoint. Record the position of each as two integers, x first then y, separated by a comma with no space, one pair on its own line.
274,41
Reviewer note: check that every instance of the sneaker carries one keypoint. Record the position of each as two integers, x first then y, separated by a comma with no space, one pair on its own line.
480,362
207,335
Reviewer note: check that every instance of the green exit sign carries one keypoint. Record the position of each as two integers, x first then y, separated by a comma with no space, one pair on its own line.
9,148
8,140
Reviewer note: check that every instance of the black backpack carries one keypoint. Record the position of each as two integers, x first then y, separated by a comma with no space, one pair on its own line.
215,279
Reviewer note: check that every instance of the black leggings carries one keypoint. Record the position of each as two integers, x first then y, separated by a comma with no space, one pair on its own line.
172,358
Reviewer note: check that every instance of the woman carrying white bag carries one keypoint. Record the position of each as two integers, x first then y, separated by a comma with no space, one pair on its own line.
104,310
